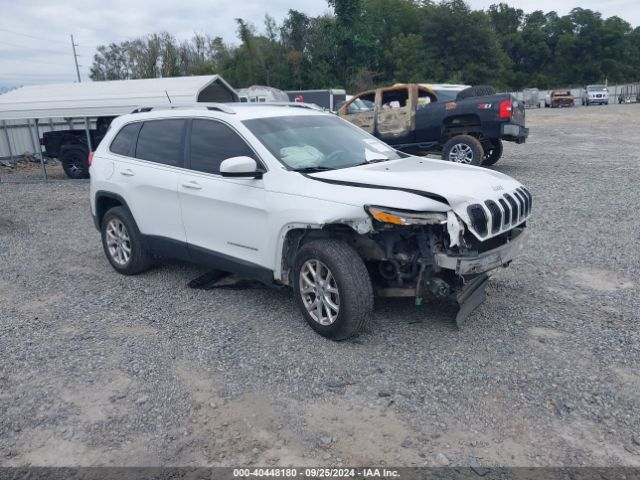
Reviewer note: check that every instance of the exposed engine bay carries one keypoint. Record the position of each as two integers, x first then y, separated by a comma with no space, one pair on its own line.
424,261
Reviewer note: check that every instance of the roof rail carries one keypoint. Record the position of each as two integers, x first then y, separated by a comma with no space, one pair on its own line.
310,106
220,107
225,107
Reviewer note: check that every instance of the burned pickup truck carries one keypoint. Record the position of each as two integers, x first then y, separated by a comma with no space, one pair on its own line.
415,119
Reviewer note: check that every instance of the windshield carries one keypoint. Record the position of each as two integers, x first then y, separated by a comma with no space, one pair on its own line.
597,88
318,142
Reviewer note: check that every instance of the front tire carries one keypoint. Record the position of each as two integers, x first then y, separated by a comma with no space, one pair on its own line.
463,149
122,242
333,288
493,153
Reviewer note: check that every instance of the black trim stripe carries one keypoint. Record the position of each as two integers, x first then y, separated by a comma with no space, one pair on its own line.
420,193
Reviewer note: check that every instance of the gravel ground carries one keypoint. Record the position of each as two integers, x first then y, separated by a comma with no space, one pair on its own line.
101,369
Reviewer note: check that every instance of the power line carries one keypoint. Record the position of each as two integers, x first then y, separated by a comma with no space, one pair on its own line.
30,61
31,36
38,49
40,38
20,75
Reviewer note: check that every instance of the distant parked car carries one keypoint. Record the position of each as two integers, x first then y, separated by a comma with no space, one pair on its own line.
561,98
592,94
447,92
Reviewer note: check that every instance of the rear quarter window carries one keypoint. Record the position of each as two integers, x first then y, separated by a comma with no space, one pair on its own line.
160,141
125,139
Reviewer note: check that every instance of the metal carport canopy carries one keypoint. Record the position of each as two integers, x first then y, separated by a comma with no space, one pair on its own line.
110,98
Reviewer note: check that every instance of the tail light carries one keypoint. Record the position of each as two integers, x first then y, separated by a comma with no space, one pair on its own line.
506,109
90,158
42,142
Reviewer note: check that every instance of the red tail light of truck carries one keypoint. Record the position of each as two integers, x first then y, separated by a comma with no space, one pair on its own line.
506,109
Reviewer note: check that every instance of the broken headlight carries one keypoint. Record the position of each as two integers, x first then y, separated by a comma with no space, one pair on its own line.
405,217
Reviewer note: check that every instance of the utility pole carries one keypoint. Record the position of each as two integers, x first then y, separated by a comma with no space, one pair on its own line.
86,119
75,58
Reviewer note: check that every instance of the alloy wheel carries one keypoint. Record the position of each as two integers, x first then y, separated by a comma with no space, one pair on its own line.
118,241
319,292
461,153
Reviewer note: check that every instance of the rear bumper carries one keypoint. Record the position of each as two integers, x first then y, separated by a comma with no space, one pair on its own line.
485,261
514,133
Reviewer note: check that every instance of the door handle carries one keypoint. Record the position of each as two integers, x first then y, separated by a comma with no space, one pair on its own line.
192,185
127,172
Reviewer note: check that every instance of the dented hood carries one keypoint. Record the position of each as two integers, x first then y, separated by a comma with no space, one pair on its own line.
457,185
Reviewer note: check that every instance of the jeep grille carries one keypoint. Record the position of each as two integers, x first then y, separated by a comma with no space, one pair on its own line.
501,213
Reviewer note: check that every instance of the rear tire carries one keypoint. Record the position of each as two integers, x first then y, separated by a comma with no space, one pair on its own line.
476,91
493,153
74,162
336,300
463,149
122,242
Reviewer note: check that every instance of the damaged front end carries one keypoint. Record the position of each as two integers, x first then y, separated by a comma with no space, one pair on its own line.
433,255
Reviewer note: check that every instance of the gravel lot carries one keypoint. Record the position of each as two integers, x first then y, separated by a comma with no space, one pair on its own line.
101,369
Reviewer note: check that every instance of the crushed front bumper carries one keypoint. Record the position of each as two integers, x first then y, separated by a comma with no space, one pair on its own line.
470,297
485,261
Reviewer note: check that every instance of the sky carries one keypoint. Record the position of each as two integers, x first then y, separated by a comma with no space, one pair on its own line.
35,46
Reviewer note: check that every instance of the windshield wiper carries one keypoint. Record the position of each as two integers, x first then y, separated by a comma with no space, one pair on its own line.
375,160
312,169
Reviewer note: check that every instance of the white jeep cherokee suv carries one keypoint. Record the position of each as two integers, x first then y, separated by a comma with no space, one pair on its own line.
296,197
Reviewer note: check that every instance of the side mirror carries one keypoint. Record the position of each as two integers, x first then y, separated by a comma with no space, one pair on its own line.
240,167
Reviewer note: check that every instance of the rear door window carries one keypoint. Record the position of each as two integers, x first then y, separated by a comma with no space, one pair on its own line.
125,139
160,141
212,142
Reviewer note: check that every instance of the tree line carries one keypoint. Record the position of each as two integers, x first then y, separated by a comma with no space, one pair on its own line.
365,43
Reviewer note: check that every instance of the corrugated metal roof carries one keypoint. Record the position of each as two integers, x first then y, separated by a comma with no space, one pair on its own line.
93,99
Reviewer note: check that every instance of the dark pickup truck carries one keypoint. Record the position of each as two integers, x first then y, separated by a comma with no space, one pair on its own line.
412,118
70,147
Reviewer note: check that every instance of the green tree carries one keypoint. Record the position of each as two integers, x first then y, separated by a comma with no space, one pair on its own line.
364,43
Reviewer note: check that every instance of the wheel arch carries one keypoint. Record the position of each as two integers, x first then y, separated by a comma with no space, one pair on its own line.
469,124
105,201
293,236
73,146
